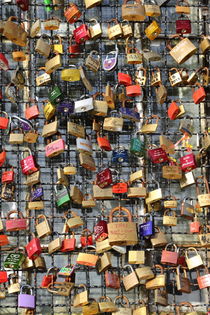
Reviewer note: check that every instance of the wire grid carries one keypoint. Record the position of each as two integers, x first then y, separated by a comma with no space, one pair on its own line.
52,304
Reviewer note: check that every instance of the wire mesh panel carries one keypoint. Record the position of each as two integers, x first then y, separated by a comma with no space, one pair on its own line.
15,101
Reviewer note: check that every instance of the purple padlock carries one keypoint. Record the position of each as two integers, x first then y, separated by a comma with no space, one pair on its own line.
25,124
129,113
26,300
37,193
66,107
146,228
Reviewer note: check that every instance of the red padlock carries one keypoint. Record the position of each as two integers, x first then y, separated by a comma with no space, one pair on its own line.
49,278
73,48
4,64
68,244
183,26
31,112
157,155
72,13
203,281
120,188
28,164
4,121
4,240
23,4
195,226
86,238
188,162
104,178
169,257
2,157
3,276
124,78
173,110
55,148
104,143
199,94
133,90
33,248
100,230
8,176
16,224
81,34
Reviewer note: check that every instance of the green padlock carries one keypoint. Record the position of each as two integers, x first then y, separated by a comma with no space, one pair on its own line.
137,147
62,196
14,260
55,95
47,2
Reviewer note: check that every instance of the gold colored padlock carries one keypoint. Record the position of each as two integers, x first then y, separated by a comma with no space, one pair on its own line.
49,110
153,30
18,56
204,44
53,64
126,28
57,48
72,74
43,78
175,77
91,62
95,29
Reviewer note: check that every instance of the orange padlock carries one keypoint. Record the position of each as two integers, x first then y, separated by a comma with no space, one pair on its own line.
173,110
72,13
133,90
104,143
199,95
31,112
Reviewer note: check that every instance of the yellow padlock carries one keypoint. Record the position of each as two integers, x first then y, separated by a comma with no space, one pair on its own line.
49,110
58,48
153,30
72,74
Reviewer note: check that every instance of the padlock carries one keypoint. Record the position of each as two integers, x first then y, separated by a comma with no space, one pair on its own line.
15,32
148,126
3,276
100,106
65,107
15,224
84,104
110,61
141,76
183,26
133,90
26,300
95,29
28,264
52,24
169,257
74,48
141,309
199,94
55,245
88,201
55,95
93,63
14,260
50,129
4,64
44,78
192,312
49,110
8,191
35,28
137,147
87,161
40,264
188,162
49,277
124,78
33,248
53,64
76,195
43,46
182,282
18,78
161,296
57,48
62,196
205,76
8,176
114,31
187,209
173,110
183,7
68,244
28,164
157,155
62,178
104,178
134,11
86,238
114,122
159,281
194,261
92,3
133,56
126,28
23,4
43,228
152,8
36,193
156,77
203,199
137,191
63,288
204,44
158,239
130,281
54,148
81,298
31,112
183,50
175,77
154,195
120,155
169,220
203,281
81,34
72,13
147,227
187,126
33,179
14,285
4,121
195,225
128,113
16,136
71,74
153,30
85,80
161,93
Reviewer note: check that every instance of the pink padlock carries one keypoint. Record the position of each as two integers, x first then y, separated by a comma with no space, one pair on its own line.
157,155
33,248
195,226
81,34
28,164
15,224
55,148
26,300
188,162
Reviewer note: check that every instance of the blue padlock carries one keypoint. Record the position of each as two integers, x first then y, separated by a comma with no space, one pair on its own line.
129,113
37,193
120,156
147,228
65,107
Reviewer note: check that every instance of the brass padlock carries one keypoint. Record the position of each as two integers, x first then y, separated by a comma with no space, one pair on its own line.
175,77
109,96
50,128
141,76
152,9
161,94
104,262
62,178
43,46
43,228
95,29
182,51
205,76
93,63
18,56
52,24
43,78
33,179
49,110
40,264
126,28
31,136
114,31
35,28
130,281
156,77
53,64
204,44
16,138
14,285
153,30
57,48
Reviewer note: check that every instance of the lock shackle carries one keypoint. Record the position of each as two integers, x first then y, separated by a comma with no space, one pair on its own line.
12,277
97,94
25,150
43,216
129,267
129,215
94,21
206,184
192,249
12,95
86,232
16,129
171,212
173,69
81,286
125,22
168,43
160,267
4,113
183,1
19,214
202,228
156,69
124,298
27,287
146,216
134,49
53,270
186,304
58,37
105,298
84,96
94,52
172,245
114,20
152,117
24,121
170,197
